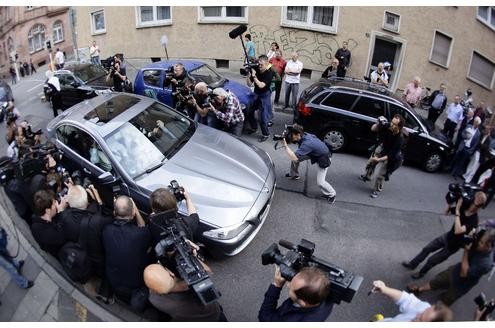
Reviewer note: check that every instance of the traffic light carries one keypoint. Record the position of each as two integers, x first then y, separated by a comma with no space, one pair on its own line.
48,45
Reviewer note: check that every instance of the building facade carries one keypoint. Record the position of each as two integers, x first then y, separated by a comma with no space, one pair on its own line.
24,31
453,45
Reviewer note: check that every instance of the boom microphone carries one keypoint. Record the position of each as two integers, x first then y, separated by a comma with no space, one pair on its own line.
237,31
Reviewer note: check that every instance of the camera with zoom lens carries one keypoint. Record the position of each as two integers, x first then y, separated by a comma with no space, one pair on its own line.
176,190
457,191
286,134
483,304
344,285
382,121
169,74
246,69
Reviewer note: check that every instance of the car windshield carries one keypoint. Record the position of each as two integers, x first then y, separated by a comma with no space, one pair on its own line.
423,121
89,72
208,75
149,138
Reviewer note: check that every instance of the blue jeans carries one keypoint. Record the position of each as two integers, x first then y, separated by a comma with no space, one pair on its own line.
264,104
11,266
96,60
294,89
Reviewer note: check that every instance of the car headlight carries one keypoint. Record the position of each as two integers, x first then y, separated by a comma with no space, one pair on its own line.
226,233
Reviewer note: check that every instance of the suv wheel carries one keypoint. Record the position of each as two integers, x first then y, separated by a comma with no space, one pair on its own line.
433,162
335,138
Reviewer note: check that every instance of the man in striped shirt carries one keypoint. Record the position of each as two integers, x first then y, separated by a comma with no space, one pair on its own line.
227,108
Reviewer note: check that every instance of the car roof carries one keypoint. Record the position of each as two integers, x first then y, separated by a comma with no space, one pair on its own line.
77,114
188,64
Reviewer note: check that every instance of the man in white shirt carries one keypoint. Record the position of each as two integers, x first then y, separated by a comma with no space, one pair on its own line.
293,70
94,53
454,117
59,59
410,307
379,76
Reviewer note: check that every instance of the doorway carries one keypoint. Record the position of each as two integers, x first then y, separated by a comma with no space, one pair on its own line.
385,48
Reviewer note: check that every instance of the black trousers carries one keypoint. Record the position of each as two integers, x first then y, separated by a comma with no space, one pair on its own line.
438,246
433,114
449,129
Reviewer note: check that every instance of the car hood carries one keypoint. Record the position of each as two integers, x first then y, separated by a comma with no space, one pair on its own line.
99,83
223,175
242,92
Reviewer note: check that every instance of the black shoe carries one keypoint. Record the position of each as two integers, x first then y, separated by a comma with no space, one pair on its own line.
30,284
21,264
363,178
417,275
386,177
331,199
292,177
270,124
408,265
263,138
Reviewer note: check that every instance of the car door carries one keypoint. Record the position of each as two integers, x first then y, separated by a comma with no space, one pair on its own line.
365,112
153,86
417,143
69,91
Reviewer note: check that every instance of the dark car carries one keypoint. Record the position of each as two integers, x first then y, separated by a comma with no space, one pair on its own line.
138,144
79,82
342,111
150,79
5,92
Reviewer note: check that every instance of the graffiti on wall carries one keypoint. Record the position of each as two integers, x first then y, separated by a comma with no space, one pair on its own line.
315,47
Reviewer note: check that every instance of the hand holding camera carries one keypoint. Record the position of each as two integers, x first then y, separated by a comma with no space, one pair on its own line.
278,280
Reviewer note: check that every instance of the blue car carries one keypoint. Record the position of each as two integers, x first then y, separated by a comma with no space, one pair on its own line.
149,81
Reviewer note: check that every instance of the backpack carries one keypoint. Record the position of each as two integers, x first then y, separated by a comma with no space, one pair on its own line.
74,256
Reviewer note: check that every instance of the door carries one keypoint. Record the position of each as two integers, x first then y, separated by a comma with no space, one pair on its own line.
386,49
368,110
153,86
69,90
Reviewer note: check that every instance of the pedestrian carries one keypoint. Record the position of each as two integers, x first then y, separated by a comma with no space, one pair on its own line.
438,102
293,70
480,111
55,94
94,53
13,75
331,71
278,64
251,53
460,278
59,59
26,68
343,55
21,69
379,76
13,267
471,137
481,154
454,118
273,49
33,69
411,308
412,92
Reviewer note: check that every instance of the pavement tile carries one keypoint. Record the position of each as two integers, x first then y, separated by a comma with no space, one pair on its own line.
57,278
92,306
30,270
12,297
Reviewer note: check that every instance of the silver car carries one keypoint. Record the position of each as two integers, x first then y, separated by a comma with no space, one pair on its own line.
133,145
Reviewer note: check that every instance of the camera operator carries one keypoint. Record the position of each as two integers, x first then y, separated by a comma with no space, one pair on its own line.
199,104
261,78
411,308
227,109
164,212
484,310
173,297
312,148
117,73
466,220
127,243
460,278
308,292
177,78
46,227
387,154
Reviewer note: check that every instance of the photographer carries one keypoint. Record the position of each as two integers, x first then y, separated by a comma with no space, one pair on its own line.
312,148
117,73
227,109
459,279
308,292
199,104
466,220
387,154
261,78
379,76
411,308
171,295
484,308
177,78
127,243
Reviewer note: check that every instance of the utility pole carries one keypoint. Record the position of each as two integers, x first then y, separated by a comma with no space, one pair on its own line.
72,18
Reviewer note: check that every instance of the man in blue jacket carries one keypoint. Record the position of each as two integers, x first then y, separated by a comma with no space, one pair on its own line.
308,298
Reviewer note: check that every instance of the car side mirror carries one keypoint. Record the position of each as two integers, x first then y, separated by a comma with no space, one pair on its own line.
75,84
106,178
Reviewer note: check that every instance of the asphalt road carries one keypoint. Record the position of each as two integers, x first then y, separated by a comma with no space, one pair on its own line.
369,237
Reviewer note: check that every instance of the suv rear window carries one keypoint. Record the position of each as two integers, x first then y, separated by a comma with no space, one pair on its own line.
340,100
370,107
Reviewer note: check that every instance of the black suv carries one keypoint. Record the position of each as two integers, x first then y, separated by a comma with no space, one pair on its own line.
342,111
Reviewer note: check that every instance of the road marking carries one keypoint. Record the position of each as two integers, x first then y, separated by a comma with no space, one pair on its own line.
37,85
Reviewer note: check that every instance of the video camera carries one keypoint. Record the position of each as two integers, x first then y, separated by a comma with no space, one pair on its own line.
246,69
457,191
344,285
5,113
169,74
176,190
382,121
286,134
187,264
482,303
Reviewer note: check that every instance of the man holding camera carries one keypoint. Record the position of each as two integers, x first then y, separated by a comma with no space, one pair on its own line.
466,220
312,148
227,109
387,154
459,279
177,78
379,76
200,104
117,74
261,78
308,298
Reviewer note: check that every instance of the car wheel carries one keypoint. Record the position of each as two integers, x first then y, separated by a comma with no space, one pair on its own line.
433,162
335,138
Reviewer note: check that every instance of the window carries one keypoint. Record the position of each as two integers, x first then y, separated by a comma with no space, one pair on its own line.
369,107
58,32
223,14
391,22
66,80
481,70
153,16
98,22
152,77
36,38
323,19
487,16
441,49
340,100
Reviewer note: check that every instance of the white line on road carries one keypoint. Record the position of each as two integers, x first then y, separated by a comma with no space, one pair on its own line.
37,85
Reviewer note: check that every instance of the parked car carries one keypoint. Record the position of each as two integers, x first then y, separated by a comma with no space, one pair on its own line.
79,82
149,81
342,111
5,92
137,144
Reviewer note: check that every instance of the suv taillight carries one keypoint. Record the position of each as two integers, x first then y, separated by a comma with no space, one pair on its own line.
303,109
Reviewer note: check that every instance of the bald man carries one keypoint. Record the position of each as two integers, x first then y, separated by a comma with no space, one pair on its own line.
172,296
198,106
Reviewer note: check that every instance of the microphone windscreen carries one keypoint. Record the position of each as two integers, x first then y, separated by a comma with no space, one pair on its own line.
237,31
